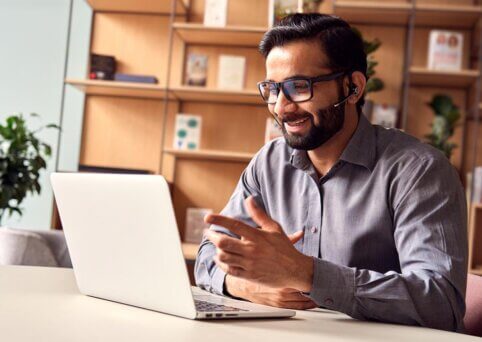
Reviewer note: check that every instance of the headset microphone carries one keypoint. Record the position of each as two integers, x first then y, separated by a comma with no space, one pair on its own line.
353,91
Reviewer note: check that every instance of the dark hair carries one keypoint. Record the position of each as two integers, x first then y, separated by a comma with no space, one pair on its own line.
343,47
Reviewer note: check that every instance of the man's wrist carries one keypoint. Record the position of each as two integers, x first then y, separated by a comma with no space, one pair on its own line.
231,287
304,274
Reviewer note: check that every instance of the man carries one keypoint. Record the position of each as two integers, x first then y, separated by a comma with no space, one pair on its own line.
352,217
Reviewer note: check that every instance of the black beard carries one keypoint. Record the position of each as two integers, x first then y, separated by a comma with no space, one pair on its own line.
330,122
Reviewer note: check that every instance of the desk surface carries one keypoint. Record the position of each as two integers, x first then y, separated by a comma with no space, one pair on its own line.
43,304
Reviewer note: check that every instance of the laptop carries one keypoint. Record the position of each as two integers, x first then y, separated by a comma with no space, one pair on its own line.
125,247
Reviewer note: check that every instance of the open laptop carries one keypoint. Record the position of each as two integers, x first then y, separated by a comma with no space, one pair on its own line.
125,247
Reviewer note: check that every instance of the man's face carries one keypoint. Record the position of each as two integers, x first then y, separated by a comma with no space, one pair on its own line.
305,125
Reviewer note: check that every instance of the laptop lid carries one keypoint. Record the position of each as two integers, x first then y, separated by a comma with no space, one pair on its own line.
123,240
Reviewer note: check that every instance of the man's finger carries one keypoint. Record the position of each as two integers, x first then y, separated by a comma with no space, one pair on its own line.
259,216
294,238
237,227
231,270
231,259
225,242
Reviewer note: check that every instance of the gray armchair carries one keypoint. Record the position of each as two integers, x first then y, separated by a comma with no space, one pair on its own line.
33,248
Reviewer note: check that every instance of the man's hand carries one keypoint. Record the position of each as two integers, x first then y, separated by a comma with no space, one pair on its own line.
265,256
260,294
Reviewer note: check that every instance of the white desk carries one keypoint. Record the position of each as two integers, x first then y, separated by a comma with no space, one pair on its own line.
43,304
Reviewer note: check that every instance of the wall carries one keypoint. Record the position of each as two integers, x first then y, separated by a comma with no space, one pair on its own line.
34,40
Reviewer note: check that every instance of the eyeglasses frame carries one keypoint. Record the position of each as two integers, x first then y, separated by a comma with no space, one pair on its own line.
312,80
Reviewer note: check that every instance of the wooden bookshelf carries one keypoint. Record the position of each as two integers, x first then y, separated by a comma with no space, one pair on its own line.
123,89
475,239
452,16
226,36
189,250
190,93
425,77
139,6
211,155
373,12
131,125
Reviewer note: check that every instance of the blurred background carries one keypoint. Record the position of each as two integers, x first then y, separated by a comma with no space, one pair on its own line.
169,87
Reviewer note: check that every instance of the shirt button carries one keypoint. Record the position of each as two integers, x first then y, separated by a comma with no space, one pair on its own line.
314,229
328,302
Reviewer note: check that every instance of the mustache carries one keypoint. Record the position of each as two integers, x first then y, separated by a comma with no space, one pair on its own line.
291,117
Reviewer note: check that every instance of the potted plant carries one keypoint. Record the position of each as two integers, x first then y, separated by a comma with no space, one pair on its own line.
444,123
22,157
374,83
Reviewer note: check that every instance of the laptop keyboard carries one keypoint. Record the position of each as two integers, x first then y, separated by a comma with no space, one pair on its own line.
203,306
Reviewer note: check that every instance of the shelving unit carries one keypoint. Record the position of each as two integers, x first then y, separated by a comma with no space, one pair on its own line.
229,36
123,89
202,94
425,77
475,240
454,16
190,251
139,6
373,12
130,125
211,155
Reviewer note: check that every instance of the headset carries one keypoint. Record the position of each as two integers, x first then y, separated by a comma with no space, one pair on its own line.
353,91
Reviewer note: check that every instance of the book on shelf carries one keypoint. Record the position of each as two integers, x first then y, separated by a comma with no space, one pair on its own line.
477,185
384,115
273,130
187,132
120,77
196,70
445,50
195,224
231,72
215,13
278,9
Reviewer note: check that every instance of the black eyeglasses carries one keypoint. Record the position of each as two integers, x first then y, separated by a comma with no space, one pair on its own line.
298,89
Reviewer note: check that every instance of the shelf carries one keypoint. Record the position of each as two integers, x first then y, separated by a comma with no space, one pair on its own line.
189,250
191,93
437,78
114,88
476,270
231,36
373,12
138,6
211,155
447,16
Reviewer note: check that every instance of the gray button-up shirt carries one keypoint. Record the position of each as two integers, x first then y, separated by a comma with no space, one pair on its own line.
386,226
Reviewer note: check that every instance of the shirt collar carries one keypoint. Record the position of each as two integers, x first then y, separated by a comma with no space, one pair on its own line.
361,149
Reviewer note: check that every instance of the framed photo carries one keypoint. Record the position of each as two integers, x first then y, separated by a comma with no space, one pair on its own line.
196,70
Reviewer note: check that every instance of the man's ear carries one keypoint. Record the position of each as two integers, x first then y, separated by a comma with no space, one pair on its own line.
359,83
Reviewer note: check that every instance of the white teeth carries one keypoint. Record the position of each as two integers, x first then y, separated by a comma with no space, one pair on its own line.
297,122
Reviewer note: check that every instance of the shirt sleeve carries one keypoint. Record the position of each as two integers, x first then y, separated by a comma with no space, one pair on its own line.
207,274
430,235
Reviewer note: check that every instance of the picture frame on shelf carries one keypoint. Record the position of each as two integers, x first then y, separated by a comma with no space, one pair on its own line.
445,51
215,13
187,132
231,72
384,115
196,70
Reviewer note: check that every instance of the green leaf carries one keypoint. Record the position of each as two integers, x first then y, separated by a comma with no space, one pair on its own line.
22,156
53,126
